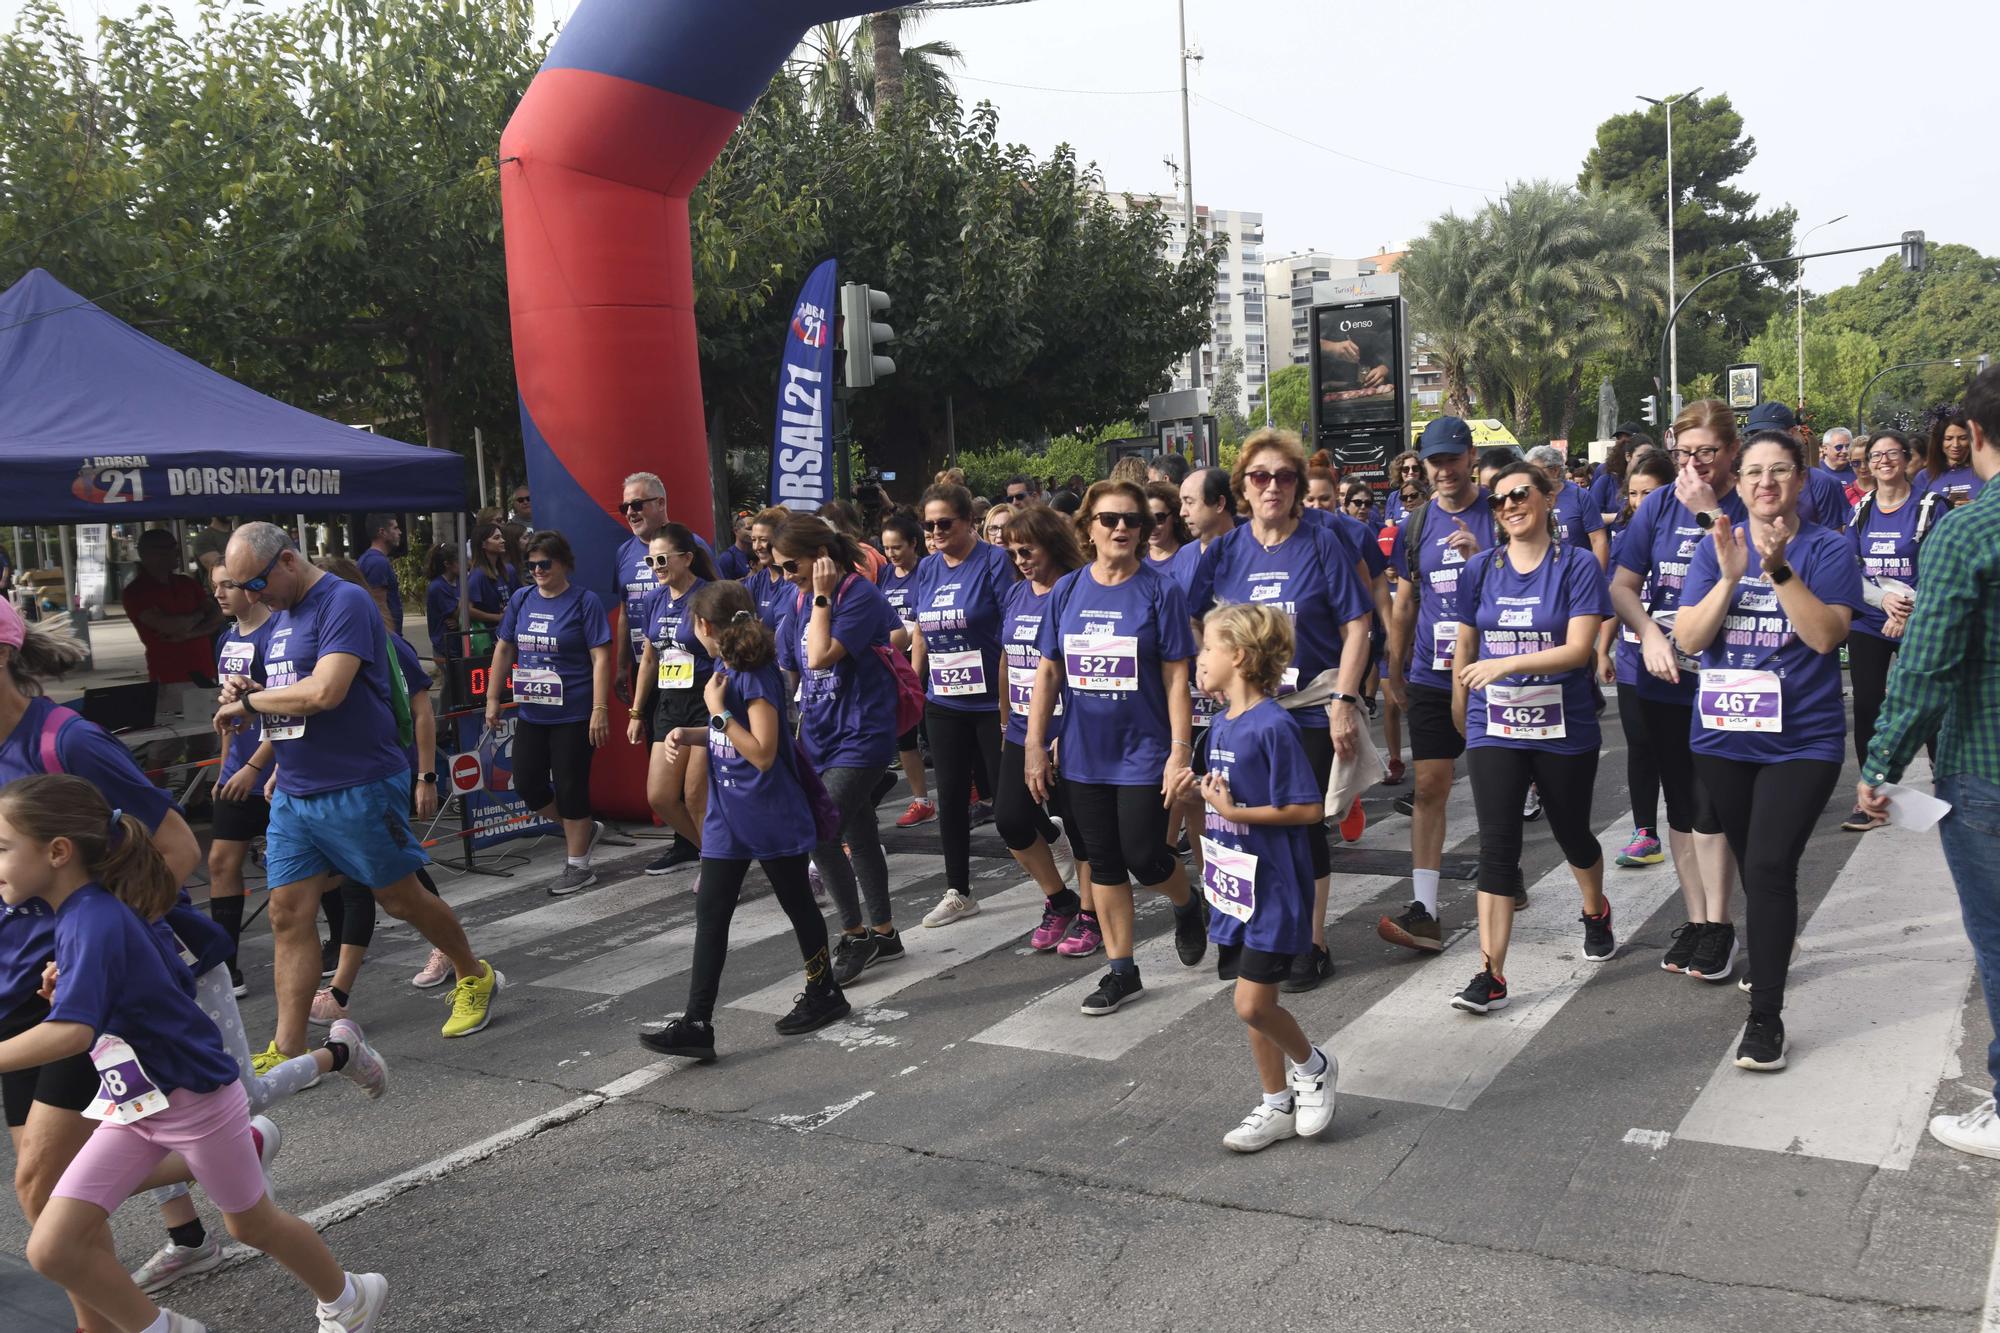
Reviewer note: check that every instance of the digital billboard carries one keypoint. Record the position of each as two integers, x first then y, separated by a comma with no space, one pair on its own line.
1357,365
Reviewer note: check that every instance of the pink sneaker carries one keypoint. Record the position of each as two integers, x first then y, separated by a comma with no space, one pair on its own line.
436,971
1084,938
920,812
1050,933
326,1009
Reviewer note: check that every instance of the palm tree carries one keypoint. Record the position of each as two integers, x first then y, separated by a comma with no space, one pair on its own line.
1438,278
854,70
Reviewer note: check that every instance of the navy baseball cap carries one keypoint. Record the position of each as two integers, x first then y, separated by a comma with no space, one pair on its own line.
1446,435
1628,428
1770,416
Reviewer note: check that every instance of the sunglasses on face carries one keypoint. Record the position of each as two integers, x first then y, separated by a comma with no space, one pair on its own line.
1113,519
940,524
540,566
1518,495
1283,478
1015,497
520,499
263,579
789,566
658,559
635,506
1357,503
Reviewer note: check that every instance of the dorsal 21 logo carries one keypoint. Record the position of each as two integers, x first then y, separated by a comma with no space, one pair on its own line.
111,480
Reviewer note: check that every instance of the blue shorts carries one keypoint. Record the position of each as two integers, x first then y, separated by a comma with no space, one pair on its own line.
361,832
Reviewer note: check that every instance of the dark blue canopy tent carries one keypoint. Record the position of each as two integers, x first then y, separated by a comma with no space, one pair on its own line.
101,424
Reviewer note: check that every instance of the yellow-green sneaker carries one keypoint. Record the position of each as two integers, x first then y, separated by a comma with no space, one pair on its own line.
472,1001
264,1061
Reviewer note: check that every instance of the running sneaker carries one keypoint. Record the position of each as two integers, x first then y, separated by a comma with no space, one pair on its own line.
1861,821
171,1262
1599,944
1308,970
1113,990
682,853
1393,773
954,906
1264,1126
1681,952
1055,925
819,1004
371,1293
1313,1095
816,882
435,971
1643,850
472,1001
325,1008
1482,995
267,1139
921,811
1415,929
1191,931
1763,1046
1084,939
1531,809
1714,953
264,1061
573,879
1976,1132
237,985
365,1067
180,1323
683,1037
981,812
1406,804
1356,822
1521,899
329,958
851,956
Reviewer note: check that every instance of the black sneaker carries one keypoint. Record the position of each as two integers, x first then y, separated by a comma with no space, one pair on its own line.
1599,943
1227,959
888,948
1521,901
1406,804
851,956
819,1004
237,985
1308,970
329,958
1415,929
694,1041
1715,953
1114,990
981,813
1482,995
1191,931
1763,1045
681,853
1681,952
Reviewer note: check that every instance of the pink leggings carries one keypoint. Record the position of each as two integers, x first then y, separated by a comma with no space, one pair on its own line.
210,1129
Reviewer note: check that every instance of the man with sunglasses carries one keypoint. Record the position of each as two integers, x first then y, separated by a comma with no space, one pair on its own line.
1024,490
343,790
643,503
524,510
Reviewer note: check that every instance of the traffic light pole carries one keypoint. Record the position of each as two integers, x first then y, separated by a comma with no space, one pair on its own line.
1860,417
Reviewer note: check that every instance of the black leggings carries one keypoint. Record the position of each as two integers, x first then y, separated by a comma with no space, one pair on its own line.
1318,742
350,909
1768,812
964,747
1124,830
1642,766
715,904
552,759
1868,663
1690,808
1500,778
1015,813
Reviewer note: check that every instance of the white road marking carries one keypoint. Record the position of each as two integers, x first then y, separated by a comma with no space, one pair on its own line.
806,1124
1653,1139
583,909
1989,1321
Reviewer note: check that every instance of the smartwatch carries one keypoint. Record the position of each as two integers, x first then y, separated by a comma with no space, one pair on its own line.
1339,698
428,777
821,599
718,721
1780,575
1707,519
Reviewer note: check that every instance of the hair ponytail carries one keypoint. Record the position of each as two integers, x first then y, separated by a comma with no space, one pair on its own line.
48,649
116,848
742,640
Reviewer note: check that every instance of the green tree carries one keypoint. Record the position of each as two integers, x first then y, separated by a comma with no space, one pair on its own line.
1225,400
850,64
1290,388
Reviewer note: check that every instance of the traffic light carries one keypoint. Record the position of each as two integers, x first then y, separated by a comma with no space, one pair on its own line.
861,335
1913,252
1649,408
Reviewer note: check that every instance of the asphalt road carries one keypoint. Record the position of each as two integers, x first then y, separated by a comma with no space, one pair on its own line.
969,1152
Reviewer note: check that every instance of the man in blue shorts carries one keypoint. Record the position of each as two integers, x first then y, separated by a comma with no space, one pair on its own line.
328,705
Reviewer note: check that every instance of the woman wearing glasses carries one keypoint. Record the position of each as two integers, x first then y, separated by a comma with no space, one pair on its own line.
669,692
1115,648
1169,532
1529,613
1406,488
957,596
556,640
1767,606
1307,571
1651,567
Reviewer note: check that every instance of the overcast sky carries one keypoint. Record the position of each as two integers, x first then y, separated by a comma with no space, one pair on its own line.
1871,110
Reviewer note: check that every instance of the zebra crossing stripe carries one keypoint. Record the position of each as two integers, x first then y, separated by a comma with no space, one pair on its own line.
600,903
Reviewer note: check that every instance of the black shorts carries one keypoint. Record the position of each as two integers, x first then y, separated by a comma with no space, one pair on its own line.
1266,969
239,821
679,708
70,1084
1433,735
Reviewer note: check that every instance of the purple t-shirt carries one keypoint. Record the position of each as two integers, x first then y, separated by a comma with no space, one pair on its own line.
375,568
484,591
1659,543
769,590
353,742
1260,753
1516,614
668,625
1436,579
1020,641
1577,516
1311,576
752,815
1886,545
441,614
241,653
1607,495
1111,644
552,638
1362,543
896,587
1823,500
1625,652
1960,485
1757,635
957,608
635,583
847,712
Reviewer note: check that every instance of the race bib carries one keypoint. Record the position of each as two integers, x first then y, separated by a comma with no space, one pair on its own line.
1228,879
1021,688
1741,701
277,726
1206,706
1444,642
125,1093
676,669
954,675
1525,712
1101,662
539,686
236,658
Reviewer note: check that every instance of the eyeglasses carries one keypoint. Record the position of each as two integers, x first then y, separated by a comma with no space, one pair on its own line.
1283,478
1516,496
1775,472
1113,519
658,560
539,566
940,524
1705,454
263,579
634,506
1891,456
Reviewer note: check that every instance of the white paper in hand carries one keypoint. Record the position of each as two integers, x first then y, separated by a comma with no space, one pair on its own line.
1912,809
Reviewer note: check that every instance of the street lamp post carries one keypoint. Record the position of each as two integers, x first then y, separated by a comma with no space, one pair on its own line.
1799,282
1673,341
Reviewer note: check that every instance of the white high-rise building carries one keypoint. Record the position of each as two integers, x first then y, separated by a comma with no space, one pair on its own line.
1238,312
1294,276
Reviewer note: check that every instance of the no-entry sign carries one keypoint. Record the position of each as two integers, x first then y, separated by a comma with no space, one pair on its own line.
464,774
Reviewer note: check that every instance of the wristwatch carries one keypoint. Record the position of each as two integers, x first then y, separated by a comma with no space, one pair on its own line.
1707,519
821,599
1780,575
718,721
1339,698
428,777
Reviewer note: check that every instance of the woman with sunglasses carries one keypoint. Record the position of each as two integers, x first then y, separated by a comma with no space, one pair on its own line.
486,580
1618,665
903,545
1767,606
1043,545
1406,488
1115,648
669,692
835,627
1169,532
1651,565
766,584
1529,613
958,594
1357,501
556,642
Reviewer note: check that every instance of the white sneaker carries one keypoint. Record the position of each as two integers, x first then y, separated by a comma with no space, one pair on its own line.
174,1262
1260,1129
1976,1132
1065,864
954,906
1313,1095
1531,809
371,1291
180,1323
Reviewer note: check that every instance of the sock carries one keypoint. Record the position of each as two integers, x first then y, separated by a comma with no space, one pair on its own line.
228,913
1279,1101
1066,902
1425,882
580,862
339,995
1599,916
338,1049
1315,1064
1123,966
348,1296
1190,907
1646,831
188,1234
159,1325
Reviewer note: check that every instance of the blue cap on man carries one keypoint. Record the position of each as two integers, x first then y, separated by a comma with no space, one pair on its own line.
1770,416
1446,435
